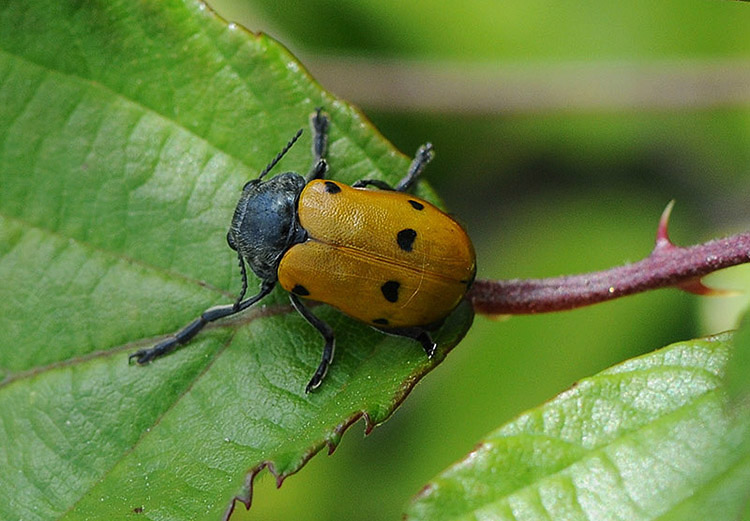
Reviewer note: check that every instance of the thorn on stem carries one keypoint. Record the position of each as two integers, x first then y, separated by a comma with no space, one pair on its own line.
662,233
663,242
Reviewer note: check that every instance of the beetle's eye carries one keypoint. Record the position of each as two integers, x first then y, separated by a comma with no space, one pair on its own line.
230,241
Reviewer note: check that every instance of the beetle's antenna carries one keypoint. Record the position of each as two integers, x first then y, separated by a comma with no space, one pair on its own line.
280,154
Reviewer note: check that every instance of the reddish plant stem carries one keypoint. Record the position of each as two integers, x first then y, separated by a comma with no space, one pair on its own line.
667,266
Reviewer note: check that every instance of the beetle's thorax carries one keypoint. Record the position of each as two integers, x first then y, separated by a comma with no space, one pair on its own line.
265,222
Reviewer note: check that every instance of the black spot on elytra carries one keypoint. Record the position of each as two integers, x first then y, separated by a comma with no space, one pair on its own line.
390,290
405,239
381,321
332,188
416,204
299,289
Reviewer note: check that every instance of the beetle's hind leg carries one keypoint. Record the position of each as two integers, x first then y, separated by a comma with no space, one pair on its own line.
319,124
419,334
327,333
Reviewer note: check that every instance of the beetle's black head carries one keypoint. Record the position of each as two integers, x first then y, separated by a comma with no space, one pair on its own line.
265,222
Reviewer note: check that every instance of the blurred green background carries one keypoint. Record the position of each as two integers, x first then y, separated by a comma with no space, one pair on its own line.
562,129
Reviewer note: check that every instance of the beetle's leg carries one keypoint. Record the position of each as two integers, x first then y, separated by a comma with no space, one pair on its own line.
424,156
372,182
327,333
319,124
243,271
415,333
185,334
318,170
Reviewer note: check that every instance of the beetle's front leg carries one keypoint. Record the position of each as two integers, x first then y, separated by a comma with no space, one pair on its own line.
319,124
184,335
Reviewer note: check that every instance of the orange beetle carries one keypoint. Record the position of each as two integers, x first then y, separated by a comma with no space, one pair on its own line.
383,256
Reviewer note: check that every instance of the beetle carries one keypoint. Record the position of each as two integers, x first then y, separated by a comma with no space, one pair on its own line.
375,252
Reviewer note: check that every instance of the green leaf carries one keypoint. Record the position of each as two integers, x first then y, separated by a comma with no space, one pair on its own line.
649,439
738,370
127,130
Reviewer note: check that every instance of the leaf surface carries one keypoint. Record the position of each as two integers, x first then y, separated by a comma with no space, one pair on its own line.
127,130
650,439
